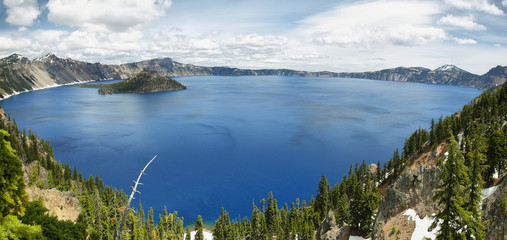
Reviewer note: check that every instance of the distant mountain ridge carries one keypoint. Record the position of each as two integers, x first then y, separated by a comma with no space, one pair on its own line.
19,74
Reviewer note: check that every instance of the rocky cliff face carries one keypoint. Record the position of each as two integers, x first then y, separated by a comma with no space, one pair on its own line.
492,212
413,191
329,230
494,77
448,75
19,74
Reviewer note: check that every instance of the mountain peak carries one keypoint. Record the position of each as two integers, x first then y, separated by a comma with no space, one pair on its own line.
449,68
48,58
15,58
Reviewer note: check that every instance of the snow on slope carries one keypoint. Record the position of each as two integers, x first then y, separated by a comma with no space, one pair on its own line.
421,226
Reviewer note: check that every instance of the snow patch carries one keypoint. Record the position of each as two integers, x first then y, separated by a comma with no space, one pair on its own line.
421,226
207,235
358,238
488,191
495,175
46,87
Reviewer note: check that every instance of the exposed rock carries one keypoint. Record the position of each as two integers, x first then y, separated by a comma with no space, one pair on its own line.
494,77
328,230
372,169
492,212
412,189
63,205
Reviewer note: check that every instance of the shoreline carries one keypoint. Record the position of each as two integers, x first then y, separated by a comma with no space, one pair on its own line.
49,86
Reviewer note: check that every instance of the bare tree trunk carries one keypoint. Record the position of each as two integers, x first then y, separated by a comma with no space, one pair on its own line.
127,208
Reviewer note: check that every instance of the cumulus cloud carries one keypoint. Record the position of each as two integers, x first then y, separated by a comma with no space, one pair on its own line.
256,44
467,23
9,45
504,3
100,15
375,24
21,12
465,41
476,5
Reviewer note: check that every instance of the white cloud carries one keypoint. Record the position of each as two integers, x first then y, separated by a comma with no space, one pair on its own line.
21,12
101,15
257,44
10,45
461,22
375,24
504,3
476,5
203,44
465,41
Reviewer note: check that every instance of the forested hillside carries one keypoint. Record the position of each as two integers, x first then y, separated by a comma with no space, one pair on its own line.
474,141
144,82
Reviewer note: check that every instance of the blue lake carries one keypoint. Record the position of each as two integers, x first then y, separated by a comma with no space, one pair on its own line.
228,141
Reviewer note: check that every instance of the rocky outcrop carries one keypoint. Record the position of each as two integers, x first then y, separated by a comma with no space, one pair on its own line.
413,189
63,205
19,74
443,75
494,77
494,212
329,230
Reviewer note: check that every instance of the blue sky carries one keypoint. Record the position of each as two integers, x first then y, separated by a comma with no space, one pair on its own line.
312,35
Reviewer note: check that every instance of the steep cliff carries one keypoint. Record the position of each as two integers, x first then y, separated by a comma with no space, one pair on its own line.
448,75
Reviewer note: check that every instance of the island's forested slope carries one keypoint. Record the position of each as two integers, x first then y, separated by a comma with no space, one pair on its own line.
354,201
144,82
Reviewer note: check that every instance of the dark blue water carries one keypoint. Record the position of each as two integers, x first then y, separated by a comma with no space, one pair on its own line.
229,140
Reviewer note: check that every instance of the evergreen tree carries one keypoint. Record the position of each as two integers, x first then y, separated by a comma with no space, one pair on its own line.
12,228
199,227
151,225
496,151
12,187
271,216
476,159
285,224
342,209
223,229
187,234
450,195
322,203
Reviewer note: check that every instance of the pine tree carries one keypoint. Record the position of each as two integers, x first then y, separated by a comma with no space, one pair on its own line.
187,234
271,216
199,226
12,187
342,209
496,151
450,195
322,203
285,228
222,229
151,225
476,159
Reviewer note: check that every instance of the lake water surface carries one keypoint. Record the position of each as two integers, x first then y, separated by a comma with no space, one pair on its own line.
227,141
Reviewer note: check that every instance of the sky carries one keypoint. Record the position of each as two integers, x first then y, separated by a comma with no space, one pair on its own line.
317,35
